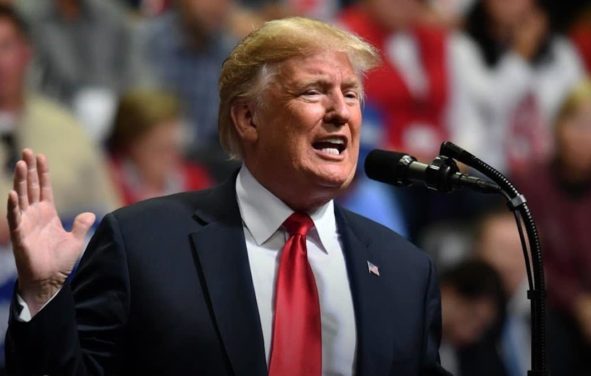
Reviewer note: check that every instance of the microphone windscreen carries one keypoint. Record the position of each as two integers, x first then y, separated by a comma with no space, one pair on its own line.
384,166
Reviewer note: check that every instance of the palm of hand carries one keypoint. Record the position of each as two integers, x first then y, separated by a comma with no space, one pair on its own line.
46,251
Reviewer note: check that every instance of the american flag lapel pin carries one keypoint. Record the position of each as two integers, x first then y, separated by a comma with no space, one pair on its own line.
373,269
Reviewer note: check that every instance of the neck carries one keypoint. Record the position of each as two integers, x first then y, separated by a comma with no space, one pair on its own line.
297,198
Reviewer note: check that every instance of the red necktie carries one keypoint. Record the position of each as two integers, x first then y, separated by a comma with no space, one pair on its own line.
296,349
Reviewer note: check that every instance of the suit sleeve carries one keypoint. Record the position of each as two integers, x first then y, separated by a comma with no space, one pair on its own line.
430,363
80,332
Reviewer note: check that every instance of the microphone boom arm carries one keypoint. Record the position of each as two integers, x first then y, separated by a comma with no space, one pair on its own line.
533,260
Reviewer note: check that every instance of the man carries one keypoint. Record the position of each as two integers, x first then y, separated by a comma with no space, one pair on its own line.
185,285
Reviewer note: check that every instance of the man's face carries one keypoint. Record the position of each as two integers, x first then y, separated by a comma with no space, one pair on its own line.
307,129
465,320
14,56
499,245
207,16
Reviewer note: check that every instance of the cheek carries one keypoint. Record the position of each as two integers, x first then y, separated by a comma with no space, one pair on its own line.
576,144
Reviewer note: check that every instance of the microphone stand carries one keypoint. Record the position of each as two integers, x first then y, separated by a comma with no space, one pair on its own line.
533,259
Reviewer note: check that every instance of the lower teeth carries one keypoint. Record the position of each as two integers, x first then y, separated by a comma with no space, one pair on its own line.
331,151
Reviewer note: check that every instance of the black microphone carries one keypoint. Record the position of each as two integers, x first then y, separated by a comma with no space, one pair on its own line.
442,174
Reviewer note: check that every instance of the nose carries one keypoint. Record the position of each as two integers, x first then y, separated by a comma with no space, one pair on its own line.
337,111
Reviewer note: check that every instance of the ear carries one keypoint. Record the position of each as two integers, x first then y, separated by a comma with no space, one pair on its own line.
242,113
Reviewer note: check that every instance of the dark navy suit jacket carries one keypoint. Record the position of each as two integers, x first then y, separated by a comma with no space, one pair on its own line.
165,288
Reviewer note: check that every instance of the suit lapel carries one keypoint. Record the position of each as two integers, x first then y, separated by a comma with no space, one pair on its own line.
222,255
373,315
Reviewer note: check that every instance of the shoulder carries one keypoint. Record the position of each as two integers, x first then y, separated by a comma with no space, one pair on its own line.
216,204
565,53
48,113
560,44
381,239
167,222
162,209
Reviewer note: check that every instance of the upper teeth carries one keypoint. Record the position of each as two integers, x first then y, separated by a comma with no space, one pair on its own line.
335,140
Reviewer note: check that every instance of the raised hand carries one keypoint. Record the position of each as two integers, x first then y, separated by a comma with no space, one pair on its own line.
44,252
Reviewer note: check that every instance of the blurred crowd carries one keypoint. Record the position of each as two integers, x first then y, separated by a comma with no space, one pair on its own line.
121,95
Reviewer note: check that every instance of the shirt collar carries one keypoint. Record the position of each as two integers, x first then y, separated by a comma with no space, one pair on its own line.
263,213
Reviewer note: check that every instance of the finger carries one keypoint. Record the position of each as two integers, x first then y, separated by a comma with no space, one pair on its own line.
13,213
44,178
20,184
82,224
32,176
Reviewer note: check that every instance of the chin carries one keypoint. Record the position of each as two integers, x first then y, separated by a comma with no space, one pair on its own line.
336,181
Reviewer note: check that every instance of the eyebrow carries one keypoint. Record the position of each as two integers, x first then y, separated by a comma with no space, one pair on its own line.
323,82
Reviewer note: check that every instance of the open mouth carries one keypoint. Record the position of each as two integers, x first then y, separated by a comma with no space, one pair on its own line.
331,145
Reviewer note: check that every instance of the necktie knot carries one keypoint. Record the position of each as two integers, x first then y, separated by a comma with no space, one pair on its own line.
298,223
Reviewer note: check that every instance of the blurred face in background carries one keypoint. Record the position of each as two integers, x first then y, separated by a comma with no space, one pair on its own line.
500,247
394,14
14,57
573,143
157,152
204,16
465,320
508,13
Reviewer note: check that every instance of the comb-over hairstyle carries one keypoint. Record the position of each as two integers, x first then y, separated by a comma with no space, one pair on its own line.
250,65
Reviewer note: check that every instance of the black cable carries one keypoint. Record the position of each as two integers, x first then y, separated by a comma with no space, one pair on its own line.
528,267
536,294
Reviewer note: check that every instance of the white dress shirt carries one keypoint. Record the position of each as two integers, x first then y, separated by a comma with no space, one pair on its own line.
263,215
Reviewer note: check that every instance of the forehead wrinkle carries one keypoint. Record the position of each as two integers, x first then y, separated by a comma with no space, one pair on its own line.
321,79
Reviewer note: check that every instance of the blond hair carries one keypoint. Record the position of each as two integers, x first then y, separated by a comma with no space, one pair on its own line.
579,94
249,67
138,112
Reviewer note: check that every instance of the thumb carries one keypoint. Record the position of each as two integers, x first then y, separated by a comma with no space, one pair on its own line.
82,224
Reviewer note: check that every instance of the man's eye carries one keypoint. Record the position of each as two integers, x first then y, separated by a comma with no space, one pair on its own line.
311,92
352,95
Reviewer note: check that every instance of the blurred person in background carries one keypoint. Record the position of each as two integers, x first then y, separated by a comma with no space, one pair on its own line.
146,148
497,243
449,13
416,95
28,119
517,71
148,8
84,56
559,194
472,302
319,9
580,34
185,48
413,89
